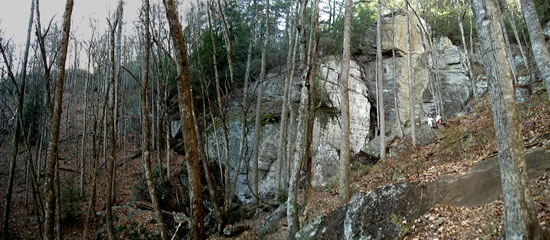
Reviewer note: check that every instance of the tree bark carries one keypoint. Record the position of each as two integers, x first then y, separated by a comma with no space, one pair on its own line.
520,220
285,107
412,120
112,136
380,75
147,130
344,108
186,118
83,138
261,83
292,208
538,43
222,111
395,89
314,37
465,49
54,133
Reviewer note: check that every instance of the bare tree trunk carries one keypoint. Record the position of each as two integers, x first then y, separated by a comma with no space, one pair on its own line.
82,147
58,210
344,109
261,83
510,16
380,74
284,108
15,142
186,118
314,37
412,120
395,91
54,133
292,208
507,42
290,106
90,213
222,111
520,221
112,137
538,43
465,49
228,44
147,130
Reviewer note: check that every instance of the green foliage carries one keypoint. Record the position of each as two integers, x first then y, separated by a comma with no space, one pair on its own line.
163,188
282,195
70,199
332,35
543,9
400,223
31,117
267,118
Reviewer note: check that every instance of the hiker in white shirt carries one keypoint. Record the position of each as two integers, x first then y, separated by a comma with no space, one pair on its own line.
430,122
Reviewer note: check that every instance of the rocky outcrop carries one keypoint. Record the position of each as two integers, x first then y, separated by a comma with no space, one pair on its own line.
376,215
326,130
326,137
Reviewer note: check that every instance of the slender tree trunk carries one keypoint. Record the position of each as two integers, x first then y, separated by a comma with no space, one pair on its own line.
465,49
284,108
90,213
395,89
261,83
538,43
228,44
344,109
15,142
58,210
412,120
380,72
245,107
112,137
510,16
292,208
82,147
54,132
221,109
520,221
147,130
186,117
507,42
312,106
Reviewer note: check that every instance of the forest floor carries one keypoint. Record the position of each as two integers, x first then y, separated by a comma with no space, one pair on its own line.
460,143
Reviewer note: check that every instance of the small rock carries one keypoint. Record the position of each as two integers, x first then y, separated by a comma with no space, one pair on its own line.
234,231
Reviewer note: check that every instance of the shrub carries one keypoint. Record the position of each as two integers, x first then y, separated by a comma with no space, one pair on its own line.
163,188
70,199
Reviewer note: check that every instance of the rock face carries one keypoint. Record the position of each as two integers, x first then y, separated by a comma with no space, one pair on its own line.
326,137
326,130
443,74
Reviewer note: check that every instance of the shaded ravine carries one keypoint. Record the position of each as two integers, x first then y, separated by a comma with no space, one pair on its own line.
372,216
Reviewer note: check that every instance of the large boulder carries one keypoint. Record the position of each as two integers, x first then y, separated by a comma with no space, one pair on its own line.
379,214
